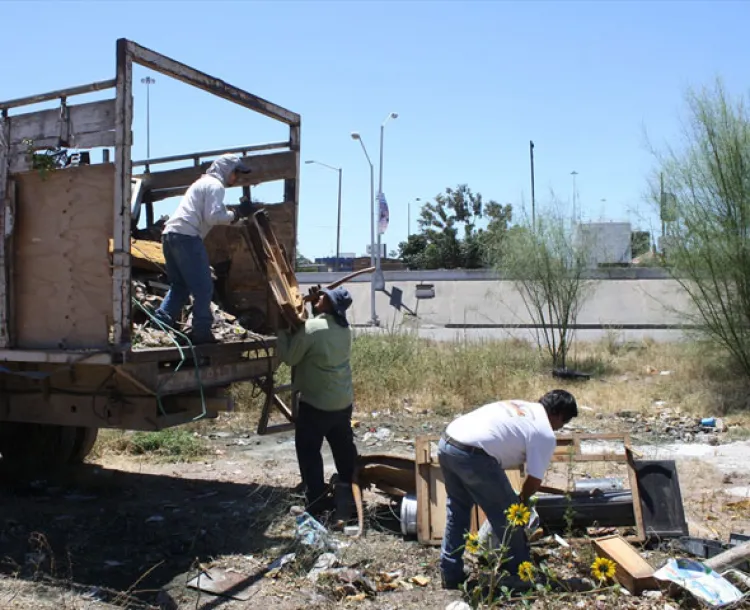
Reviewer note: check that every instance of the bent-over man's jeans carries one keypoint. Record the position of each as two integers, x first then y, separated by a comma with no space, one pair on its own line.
472,478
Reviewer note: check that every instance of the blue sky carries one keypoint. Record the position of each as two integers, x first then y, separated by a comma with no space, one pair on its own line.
472,82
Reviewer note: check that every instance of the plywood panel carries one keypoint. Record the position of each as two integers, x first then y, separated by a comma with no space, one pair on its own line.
63,281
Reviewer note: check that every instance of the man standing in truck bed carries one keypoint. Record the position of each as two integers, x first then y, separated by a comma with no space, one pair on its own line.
188,269
319,353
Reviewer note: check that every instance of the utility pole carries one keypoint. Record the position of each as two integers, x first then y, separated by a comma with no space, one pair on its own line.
533,199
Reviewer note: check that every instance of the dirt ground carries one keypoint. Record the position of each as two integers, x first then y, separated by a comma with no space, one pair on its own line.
130,532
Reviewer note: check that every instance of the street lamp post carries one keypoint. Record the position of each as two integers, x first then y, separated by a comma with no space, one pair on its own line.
378,270
574,173
374,319
338,221
148,81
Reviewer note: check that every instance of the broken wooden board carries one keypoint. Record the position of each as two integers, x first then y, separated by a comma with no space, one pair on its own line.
145,254
632,571
271,259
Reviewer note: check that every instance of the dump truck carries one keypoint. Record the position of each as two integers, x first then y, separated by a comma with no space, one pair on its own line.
79,239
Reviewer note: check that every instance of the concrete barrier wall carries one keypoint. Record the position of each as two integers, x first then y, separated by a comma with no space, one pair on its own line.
482,298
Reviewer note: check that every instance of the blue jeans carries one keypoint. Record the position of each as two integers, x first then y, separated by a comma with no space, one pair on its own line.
475,479
189,273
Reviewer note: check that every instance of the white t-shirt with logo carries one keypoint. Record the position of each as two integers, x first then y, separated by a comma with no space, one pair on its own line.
514,432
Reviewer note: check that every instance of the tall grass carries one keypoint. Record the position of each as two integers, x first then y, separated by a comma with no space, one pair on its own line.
398,369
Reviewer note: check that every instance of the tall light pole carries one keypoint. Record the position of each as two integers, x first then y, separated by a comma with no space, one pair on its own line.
533,197
338,221
378,271
574,173
148,81
374,319
408,219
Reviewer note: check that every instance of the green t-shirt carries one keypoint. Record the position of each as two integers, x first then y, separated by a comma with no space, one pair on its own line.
320,353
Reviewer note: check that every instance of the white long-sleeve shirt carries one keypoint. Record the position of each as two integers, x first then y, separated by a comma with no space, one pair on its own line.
201,208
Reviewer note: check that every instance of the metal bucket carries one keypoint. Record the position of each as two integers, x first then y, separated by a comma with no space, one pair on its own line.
409,515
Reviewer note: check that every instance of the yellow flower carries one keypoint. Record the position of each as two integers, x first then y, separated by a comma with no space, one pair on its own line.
603,568
518,515
526,571
472,543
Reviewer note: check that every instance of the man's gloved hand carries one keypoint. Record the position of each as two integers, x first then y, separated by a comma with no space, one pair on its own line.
245,208
313,293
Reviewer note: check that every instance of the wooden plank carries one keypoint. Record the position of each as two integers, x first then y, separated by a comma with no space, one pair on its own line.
197,156
266,168
62,275
291,185
191,76
186,380
634,489
590,457
121,205
4,250
131,413
59,94
423,473
633,572
20,161
234,350
93,117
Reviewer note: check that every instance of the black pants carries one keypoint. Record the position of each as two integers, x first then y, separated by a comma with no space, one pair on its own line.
313,425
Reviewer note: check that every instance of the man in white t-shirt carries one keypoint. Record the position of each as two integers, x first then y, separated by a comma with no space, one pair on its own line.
475,450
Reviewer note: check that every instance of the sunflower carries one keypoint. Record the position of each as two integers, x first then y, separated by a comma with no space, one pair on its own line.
526,571
603,568
518,515
472,543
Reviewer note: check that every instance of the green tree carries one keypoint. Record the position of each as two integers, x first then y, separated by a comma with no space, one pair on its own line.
707,179
547,265
450,233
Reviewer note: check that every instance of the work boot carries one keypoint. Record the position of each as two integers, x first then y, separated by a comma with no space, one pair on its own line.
344,501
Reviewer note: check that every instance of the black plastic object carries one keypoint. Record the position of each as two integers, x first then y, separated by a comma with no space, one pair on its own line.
661,499
608,509
570,375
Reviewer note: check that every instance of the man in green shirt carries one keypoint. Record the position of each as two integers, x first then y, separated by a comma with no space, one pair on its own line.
320,353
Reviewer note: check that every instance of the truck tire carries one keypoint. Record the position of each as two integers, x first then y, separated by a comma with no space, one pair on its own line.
85,439
34,447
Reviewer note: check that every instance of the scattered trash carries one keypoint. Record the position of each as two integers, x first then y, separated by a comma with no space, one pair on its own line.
458,606
312,533
708,422
376,435
351,530
155,519
224,583
420,581
324,563
147,333
275,567
701,581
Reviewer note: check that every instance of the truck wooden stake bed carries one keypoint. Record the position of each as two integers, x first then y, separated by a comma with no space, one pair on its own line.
68,363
